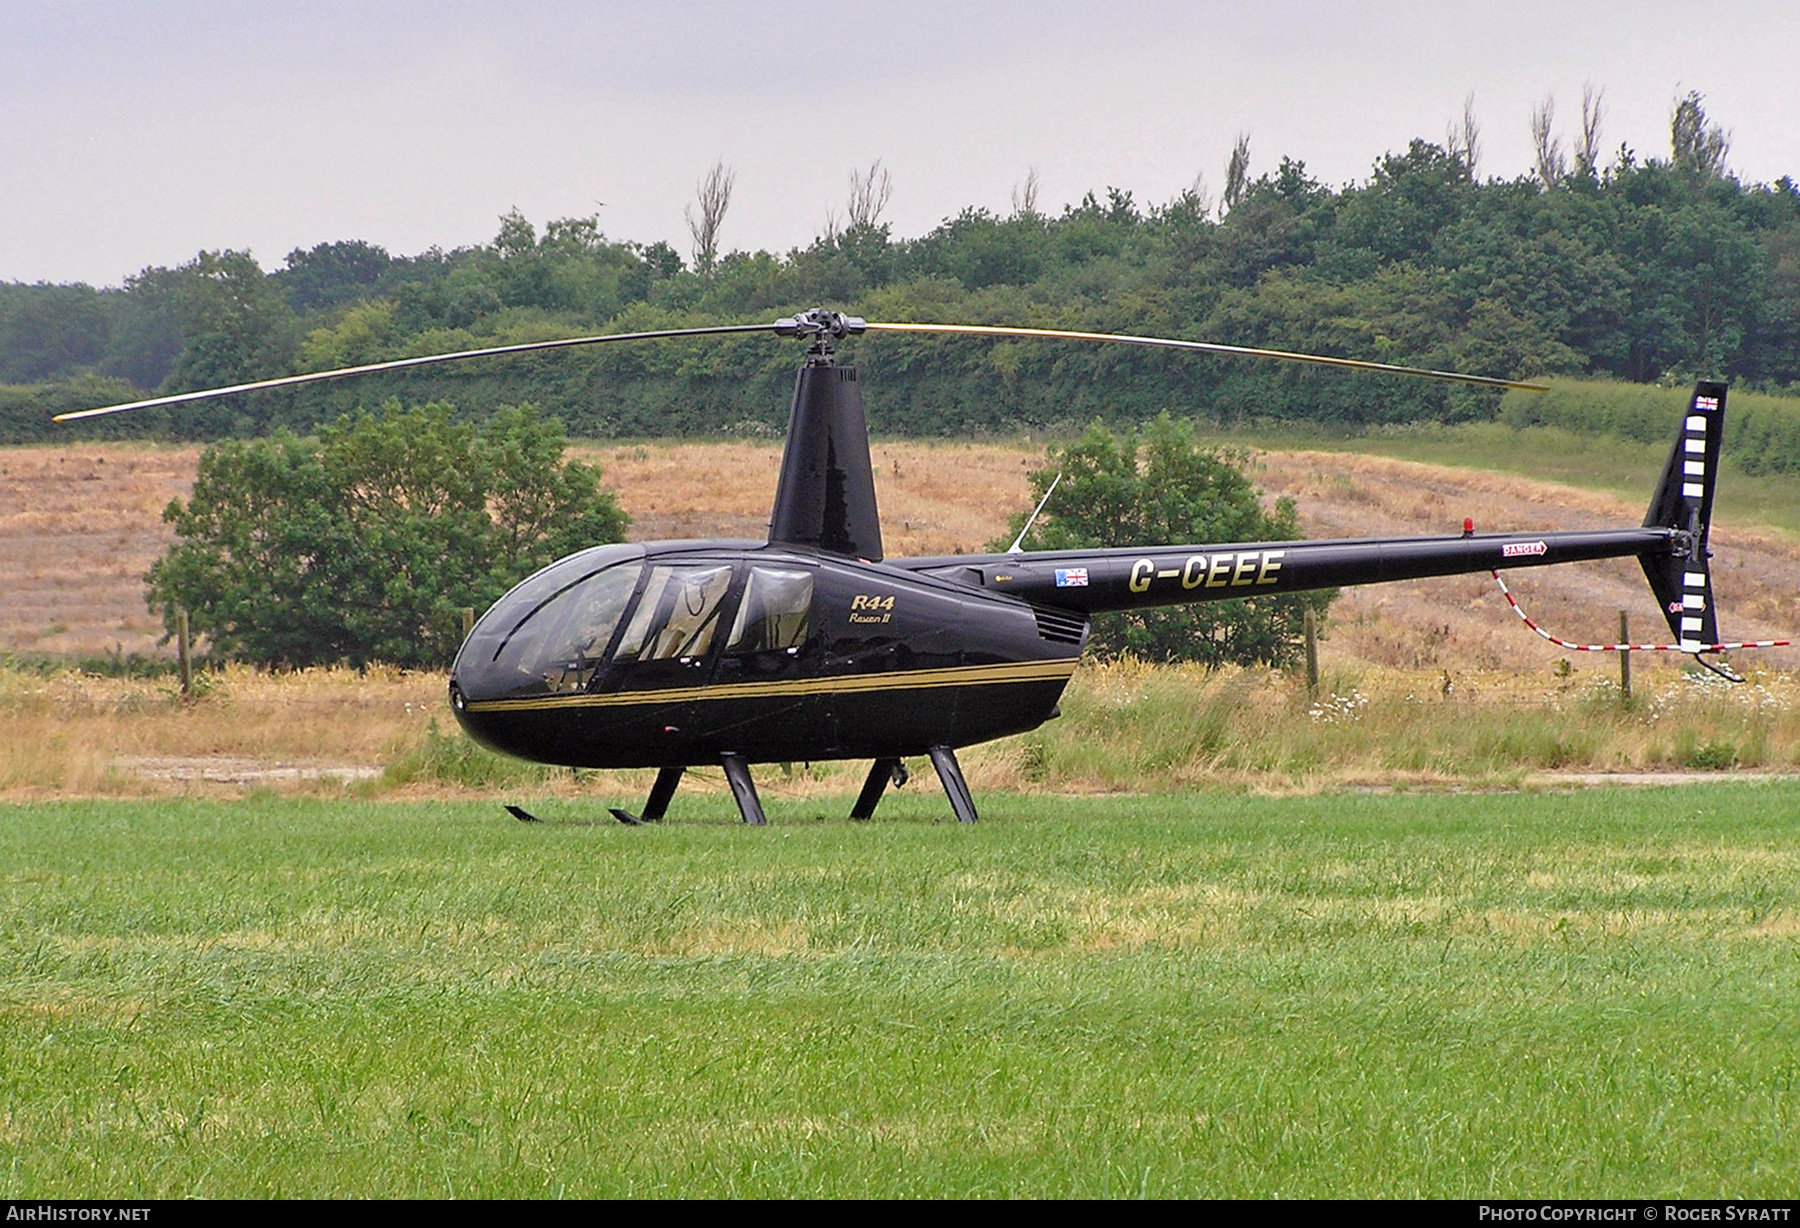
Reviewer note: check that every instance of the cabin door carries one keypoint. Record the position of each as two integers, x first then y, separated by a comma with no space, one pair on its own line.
666,652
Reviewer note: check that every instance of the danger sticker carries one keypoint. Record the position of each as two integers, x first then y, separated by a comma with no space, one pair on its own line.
1513,550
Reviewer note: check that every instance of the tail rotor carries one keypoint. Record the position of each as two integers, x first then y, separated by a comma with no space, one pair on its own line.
1683,502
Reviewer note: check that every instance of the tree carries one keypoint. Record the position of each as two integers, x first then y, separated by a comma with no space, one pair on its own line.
332,273
362,544
713,195
235,325
1161,487
1462,139
1546,147
1025,195
145,338
50,331
1237,171
869,193
1587,145
1698,146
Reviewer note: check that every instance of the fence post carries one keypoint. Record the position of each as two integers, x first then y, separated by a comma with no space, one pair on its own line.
1625,654
468,617
1312,652
183,654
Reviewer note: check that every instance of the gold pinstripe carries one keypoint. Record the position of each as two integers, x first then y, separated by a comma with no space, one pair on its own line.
843,684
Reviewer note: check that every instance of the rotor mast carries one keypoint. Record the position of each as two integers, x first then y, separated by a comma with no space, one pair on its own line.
825,499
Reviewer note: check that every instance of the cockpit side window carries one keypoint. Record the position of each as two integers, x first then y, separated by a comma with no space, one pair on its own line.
775,613
560,643
678,615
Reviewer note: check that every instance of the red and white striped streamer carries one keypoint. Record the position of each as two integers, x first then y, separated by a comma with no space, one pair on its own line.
1695,649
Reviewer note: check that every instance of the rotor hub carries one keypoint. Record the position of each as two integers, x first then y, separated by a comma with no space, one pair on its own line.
821,327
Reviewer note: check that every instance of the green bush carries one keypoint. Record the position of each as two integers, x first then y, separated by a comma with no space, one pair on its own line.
1158,488
1762,431
364,543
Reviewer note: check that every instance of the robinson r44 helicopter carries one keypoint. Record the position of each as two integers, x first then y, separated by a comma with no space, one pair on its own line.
812,646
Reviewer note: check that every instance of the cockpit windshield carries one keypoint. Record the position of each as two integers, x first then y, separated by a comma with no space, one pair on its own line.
557,646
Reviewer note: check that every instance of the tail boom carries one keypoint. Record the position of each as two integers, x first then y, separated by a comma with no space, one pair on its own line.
1671,545
1102,580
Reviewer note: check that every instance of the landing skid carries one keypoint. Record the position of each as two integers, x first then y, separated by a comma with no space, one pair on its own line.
882,772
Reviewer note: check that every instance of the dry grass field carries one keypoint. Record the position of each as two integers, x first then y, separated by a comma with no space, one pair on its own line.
78,526
1462,622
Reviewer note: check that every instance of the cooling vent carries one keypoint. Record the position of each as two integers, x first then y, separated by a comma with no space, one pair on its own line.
1058,625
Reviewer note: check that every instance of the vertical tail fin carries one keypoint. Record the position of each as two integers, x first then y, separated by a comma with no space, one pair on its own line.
1682,579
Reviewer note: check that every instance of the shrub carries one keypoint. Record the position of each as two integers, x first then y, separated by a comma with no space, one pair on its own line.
363,544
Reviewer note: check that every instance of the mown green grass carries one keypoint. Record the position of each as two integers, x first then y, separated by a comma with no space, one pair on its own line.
1588,994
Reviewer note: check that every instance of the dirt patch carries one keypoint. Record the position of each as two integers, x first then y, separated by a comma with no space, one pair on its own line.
1641,779
225,771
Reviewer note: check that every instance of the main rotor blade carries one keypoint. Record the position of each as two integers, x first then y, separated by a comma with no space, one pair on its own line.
314,377
1208,347
808,324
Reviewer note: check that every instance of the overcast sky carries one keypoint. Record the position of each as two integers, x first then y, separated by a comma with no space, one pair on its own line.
138,134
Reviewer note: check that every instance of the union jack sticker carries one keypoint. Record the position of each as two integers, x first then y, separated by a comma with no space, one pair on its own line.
1706,402
1071,577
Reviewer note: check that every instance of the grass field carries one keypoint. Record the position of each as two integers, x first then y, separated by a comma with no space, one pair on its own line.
1585,994
1621,467
1125,727
1230,973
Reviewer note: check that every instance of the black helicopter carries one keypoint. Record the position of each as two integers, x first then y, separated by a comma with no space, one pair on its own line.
813,646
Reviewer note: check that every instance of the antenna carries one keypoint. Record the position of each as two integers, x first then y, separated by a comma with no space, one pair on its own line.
1029,520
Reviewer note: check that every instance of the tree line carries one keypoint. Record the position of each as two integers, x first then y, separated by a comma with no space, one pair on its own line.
1635,268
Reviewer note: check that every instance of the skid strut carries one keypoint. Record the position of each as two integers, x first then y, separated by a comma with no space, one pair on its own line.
880,772
658,803
743,788
950,773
